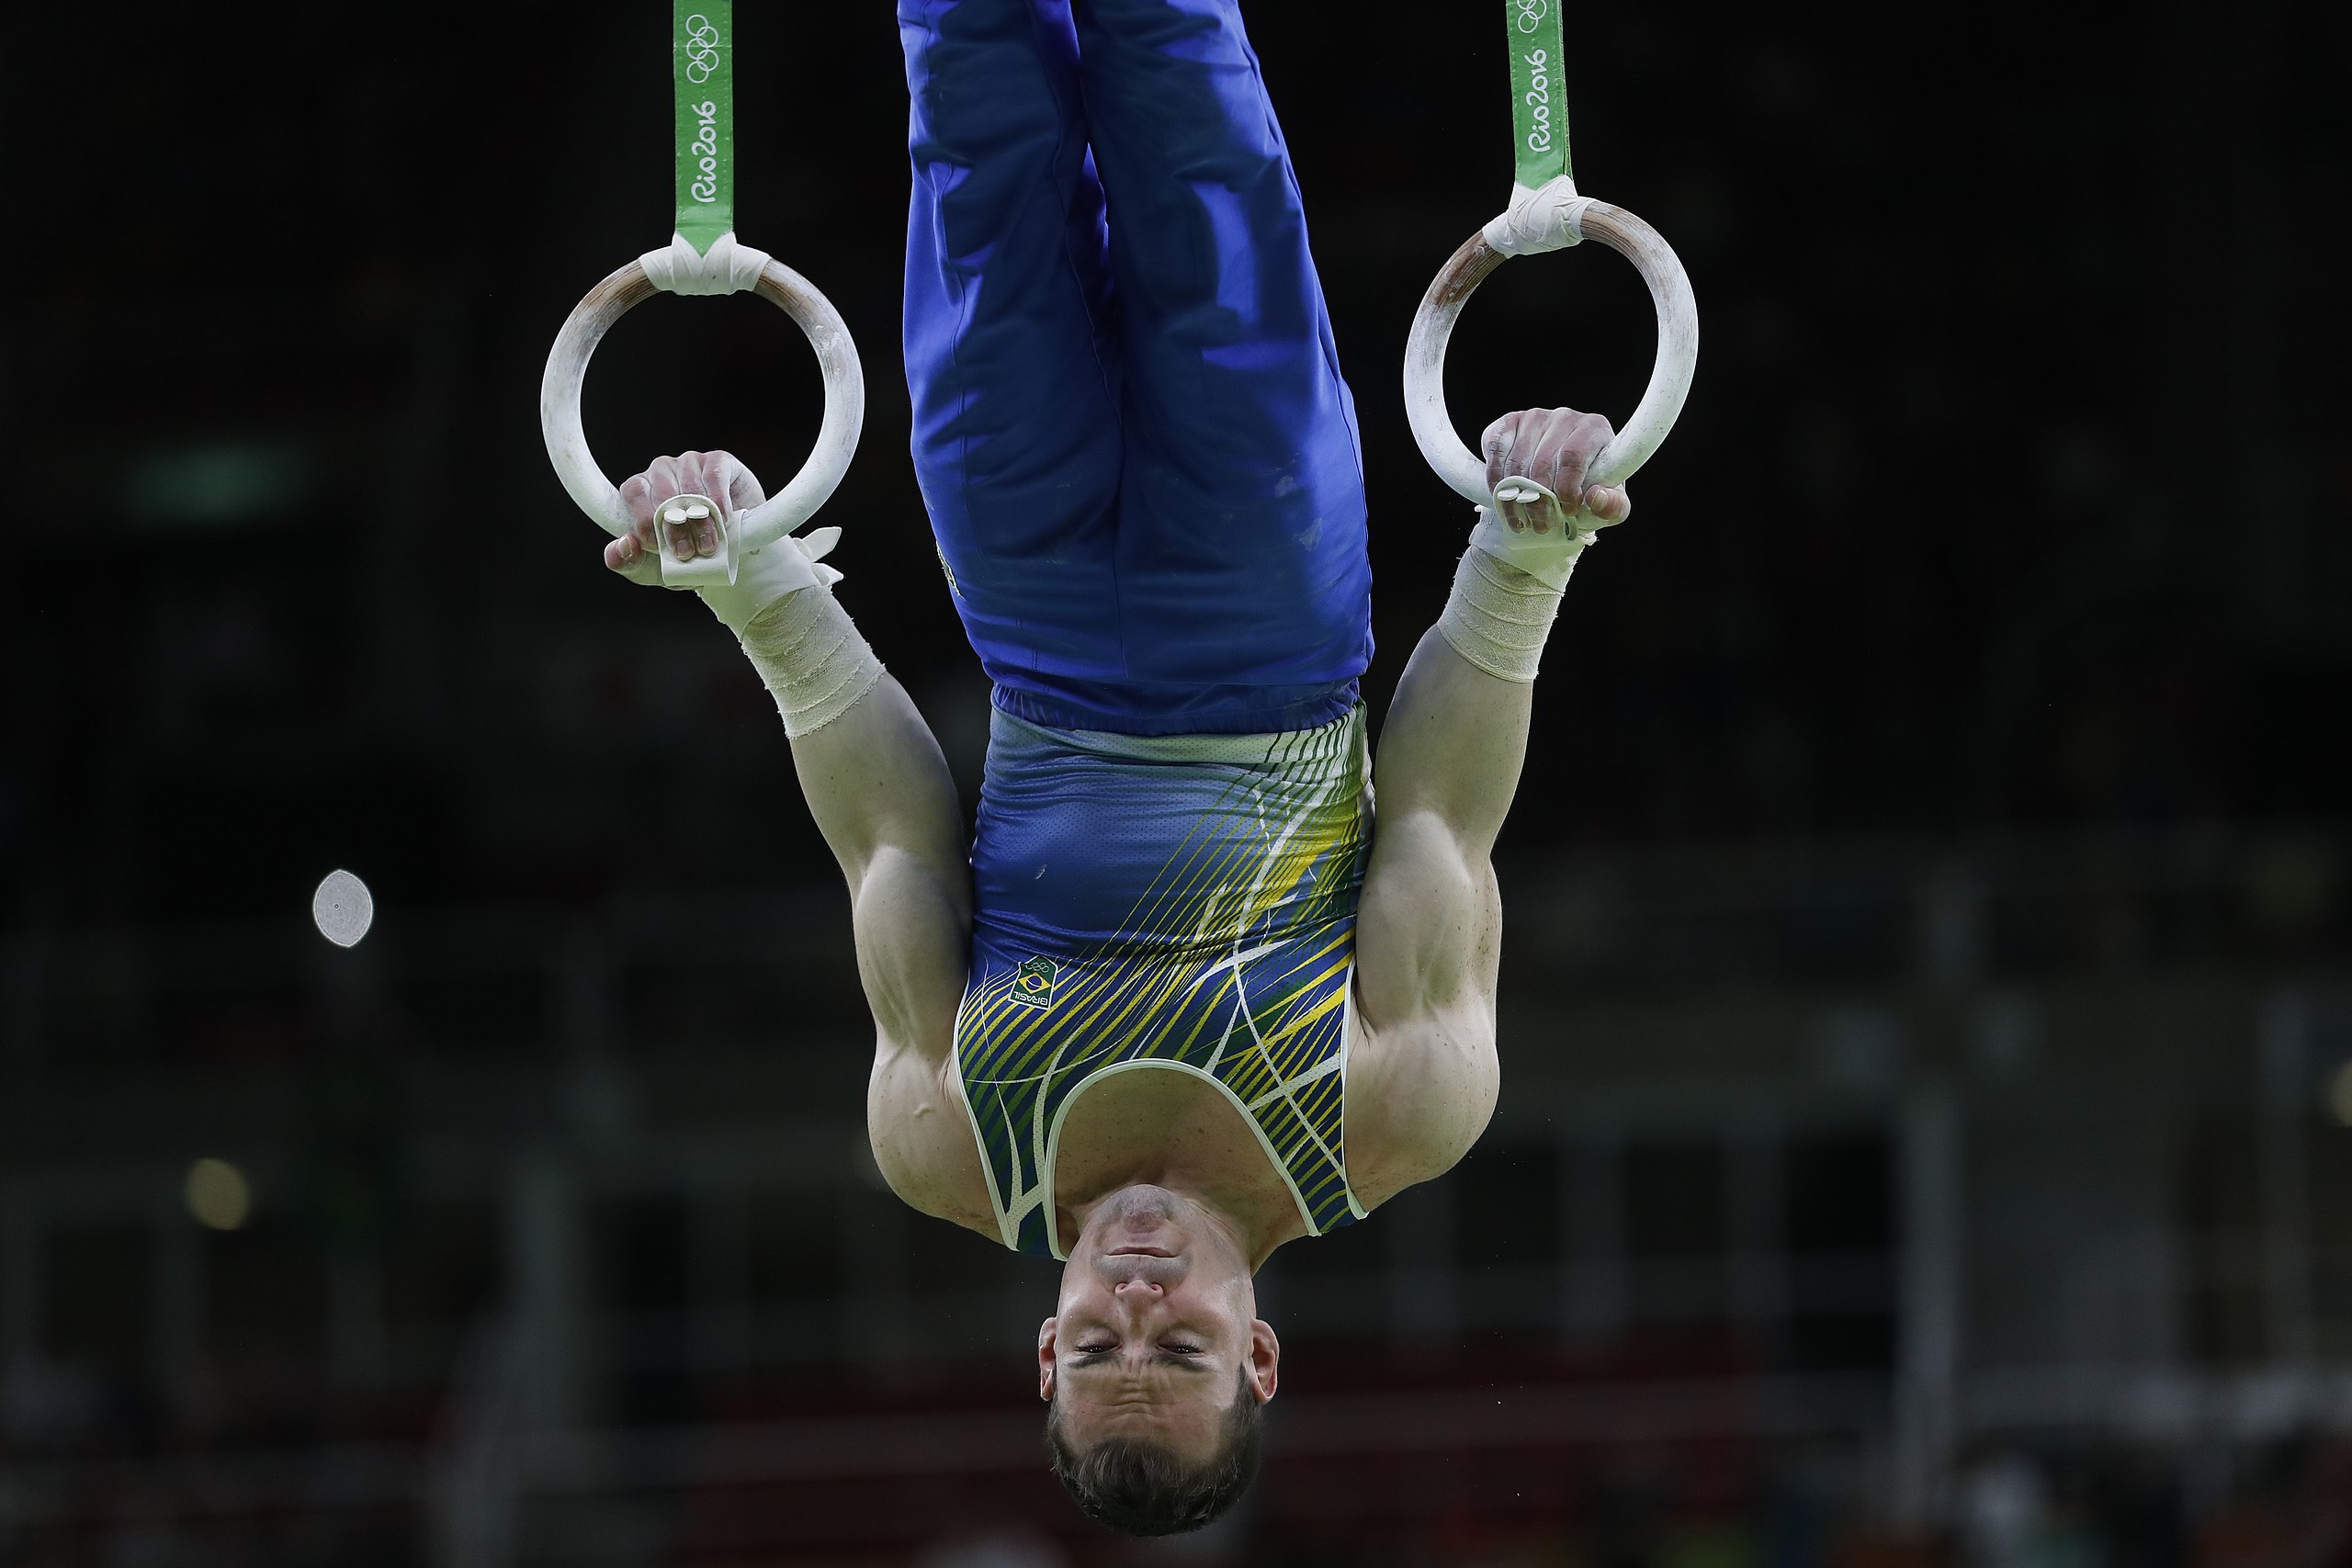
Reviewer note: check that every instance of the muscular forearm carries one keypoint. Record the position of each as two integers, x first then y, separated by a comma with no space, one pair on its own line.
1457,734
880,792
1452,745
871,772
1449,764
1451,752
881,795
868,765
876,782
1449,760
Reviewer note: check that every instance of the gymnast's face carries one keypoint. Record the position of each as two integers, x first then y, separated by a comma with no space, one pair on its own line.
1156,1329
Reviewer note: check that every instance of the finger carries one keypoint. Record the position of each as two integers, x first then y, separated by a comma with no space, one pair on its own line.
680,517
678,530
1563,466
719,480
1499,441
743,491
1539,458
678,527
642,502
1543,515
663,475
1581,443
1525,502
698,532
717,476
637,499
702,529
632,560
1608,503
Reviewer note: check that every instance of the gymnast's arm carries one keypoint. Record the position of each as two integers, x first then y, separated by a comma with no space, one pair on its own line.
1430,926
875,782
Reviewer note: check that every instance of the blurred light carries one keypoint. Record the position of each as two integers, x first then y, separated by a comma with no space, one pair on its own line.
217,484
2339,1095
342,907
218,1195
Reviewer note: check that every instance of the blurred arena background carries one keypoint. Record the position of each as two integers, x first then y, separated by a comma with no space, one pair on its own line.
1926,1009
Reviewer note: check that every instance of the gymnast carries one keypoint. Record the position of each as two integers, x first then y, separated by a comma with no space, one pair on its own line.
1181,1000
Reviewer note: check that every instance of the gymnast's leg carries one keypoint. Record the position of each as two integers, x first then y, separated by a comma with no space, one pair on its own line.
1241,535
1011,362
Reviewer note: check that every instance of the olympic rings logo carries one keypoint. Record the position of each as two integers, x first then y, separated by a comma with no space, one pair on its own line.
701,44
1532,14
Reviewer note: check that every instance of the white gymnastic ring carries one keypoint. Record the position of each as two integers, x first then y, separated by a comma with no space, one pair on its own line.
1678,353
781,513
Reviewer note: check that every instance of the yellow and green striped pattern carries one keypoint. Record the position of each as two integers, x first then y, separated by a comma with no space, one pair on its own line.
1232,962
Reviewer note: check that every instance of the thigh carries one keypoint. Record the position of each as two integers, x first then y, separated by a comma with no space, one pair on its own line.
1011,357
1242,508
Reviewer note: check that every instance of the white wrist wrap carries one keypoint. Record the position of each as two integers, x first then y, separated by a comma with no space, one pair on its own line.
1506,591
810,656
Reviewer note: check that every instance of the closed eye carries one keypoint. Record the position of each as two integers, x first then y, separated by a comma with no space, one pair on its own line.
1188,1357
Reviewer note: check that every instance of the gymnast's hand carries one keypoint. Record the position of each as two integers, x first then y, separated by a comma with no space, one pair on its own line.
636,555
1554,447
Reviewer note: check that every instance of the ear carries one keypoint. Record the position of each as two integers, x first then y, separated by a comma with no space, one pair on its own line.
1265,1358
1046,1359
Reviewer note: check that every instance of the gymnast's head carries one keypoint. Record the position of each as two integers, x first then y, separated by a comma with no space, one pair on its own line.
1156,1367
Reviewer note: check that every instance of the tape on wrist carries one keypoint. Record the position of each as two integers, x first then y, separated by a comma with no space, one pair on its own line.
1499,613
1549,556
787,566
812,658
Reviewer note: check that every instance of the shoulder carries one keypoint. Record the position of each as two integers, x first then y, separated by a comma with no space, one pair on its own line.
1419,1091
923,1139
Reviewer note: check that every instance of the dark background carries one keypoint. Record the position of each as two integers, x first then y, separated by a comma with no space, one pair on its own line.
2011,492
2005,530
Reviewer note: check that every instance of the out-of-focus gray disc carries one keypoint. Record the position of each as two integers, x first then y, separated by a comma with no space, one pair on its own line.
344,909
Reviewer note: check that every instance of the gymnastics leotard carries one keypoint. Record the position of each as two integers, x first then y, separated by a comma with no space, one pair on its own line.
1142,468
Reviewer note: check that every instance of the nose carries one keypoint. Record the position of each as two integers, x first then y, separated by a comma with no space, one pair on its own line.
1117,1269
1136,1286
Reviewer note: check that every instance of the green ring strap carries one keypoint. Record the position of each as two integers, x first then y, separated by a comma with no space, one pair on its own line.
702,61
1539,102
1540,121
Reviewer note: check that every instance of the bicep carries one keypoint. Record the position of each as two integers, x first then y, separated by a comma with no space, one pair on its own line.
881,795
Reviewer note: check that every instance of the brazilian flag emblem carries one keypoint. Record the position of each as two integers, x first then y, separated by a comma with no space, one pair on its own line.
1032,983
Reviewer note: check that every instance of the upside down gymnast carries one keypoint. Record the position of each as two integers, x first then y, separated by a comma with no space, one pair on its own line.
1179,1003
